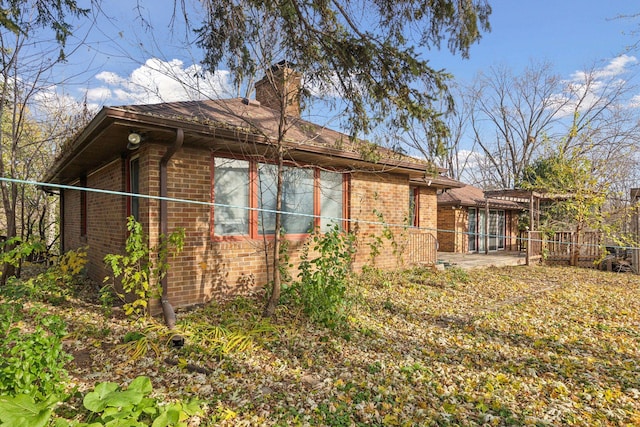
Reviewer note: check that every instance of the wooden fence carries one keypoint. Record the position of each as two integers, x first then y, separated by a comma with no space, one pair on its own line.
566,248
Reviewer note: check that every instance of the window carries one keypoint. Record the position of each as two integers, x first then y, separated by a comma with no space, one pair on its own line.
479,234
331,200
231,193
134,188
414,206
297,197
473,229
244,193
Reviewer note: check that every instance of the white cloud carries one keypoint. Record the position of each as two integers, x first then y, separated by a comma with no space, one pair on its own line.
51,102
110,78
98,94
617,66
163,81
634,102
593,87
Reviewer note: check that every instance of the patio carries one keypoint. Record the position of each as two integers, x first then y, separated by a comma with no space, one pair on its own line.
470,261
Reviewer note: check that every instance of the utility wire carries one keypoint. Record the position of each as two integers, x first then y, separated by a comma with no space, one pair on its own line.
44,185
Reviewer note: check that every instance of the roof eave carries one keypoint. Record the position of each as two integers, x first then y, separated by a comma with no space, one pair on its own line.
128,120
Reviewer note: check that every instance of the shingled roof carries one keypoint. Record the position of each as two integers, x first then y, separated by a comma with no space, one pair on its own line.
237,125
470,196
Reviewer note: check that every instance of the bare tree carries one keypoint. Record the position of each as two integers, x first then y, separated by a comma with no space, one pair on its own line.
510,116
27,73
515,118
442,146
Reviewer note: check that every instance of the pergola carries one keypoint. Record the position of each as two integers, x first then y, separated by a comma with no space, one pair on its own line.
530,200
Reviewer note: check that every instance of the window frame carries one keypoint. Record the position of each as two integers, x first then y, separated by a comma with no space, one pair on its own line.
254,233
414,206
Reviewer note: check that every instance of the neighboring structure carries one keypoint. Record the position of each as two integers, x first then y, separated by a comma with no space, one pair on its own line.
470,222
219,154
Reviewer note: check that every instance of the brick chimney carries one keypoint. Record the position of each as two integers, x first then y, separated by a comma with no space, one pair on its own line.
279,88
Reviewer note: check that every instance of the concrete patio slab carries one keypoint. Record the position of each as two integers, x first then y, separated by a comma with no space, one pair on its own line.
480,260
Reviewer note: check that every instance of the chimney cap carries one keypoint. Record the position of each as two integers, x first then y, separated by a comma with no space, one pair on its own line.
251,102
282,64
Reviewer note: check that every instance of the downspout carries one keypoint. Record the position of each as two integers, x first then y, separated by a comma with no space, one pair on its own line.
167,310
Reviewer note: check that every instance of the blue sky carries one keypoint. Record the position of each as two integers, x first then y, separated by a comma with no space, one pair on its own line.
121,64
571,34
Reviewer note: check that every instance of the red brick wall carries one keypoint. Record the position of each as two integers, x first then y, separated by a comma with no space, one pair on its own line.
71,221
388,194
452,226
209,269
105,219
428,204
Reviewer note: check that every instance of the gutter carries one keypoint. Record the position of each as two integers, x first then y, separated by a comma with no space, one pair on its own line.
167,309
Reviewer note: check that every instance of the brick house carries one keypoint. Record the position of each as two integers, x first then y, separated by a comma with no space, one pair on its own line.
217,154
468,221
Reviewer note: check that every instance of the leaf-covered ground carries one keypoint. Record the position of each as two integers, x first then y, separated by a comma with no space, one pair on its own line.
509,346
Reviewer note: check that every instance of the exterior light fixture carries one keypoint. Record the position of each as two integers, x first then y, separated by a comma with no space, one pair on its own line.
134,139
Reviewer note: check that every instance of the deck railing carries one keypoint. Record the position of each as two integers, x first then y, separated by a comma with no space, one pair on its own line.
564,247
422,248
534,245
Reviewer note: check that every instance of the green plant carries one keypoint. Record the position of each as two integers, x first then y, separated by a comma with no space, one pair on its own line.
398,243
227,329
31,363
142,268
148,336
55,285
110,404
14,250
24,411
107,405
323,280
107,297
457,275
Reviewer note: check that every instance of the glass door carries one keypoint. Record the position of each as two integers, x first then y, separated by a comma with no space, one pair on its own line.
493,230
482,231
473,230
502,229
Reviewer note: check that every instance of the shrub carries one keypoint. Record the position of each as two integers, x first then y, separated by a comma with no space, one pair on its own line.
15,250
323,280
31,363
138,272
55,285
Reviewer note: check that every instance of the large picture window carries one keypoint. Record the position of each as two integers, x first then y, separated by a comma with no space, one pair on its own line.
244,196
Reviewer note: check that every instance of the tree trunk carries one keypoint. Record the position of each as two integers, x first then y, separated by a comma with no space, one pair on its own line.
9,270
272,303
575,247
